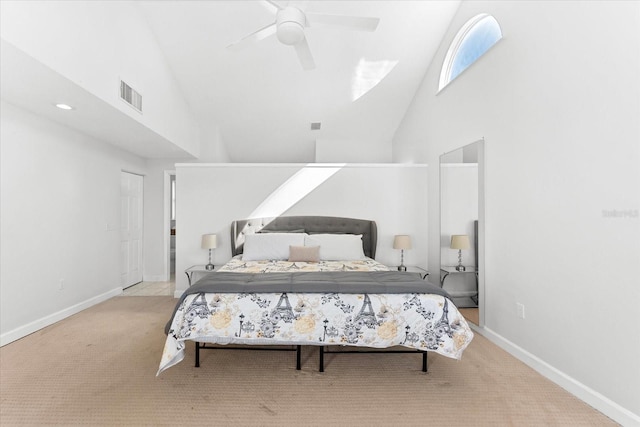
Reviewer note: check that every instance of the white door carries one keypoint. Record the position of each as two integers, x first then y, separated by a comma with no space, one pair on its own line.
131,192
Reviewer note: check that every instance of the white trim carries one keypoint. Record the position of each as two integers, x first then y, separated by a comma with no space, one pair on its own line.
460,165
586,394
36,325
309,165
178,293
481,231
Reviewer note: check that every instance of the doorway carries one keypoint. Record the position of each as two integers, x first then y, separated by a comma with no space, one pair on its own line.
169,225
172,228
131,222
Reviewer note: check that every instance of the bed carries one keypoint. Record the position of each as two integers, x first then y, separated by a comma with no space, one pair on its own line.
312,280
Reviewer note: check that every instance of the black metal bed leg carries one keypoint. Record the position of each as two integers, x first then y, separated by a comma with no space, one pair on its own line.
321,365
424,361
298,358
197,354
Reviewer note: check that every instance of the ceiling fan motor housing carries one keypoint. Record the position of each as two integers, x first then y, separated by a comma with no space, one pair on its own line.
290,23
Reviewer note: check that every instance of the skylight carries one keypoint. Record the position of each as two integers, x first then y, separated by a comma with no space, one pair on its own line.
295,189
368,74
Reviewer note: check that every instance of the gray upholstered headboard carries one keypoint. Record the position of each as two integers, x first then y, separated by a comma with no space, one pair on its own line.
311,225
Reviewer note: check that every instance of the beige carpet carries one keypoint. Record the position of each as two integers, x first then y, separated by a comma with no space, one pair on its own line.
471,315
98,368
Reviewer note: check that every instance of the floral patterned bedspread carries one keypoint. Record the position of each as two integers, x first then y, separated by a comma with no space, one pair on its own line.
420,321
271,266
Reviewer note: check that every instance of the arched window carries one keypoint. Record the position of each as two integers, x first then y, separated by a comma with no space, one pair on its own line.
472,41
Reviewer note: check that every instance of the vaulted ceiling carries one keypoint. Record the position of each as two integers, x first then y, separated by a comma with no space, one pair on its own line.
260,101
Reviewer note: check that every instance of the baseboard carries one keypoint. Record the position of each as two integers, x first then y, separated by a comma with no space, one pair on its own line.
36,325
591,397
178,293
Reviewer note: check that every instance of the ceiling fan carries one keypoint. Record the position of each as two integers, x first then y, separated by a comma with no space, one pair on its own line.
289,28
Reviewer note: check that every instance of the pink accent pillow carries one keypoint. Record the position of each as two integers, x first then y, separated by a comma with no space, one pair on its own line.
304,253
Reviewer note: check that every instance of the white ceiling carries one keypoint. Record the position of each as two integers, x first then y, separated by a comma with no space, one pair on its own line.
259,99
29,84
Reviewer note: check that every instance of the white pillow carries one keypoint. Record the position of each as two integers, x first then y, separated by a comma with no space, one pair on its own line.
270,246
342,247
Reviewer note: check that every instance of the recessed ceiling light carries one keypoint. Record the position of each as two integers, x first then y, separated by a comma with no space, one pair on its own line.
64,107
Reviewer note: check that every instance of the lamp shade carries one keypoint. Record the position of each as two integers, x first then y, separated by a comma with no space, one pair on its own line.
460,241
402,241
209,241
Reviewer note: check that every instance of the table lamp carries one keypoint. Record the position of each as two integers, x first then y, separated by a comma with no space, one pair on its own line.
209,242
460,242
402,242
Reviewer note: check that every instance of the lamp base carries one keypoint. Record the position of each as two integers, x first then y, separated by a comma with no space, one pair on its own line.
209,267
402,268
460,268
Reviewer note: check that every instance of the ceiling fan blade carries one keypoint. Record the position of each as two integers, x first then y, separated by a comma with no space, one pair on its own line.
304,55
274,4
360,23
298,4
256,36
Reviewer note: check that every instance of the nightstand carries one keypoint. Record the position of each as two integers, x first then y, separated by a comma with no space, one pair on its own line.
200,269
448,270
412,269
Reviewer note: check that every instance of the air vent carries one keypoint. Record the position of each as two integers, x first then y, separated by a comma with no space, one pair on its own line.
316,125
130,96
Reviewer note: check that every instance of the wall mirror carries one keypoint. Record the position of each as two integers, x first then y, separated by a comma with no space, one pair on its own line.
461,228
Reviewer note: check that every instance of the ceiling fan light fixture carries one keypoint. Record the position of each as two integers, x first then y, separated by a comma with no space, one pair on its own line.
290,33
290,23
66,107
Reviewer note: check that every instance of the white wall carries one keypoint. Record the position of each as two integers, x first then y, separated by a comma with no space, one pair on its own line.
97,43
210,197
59,220
155,230
212,146
558,102
352,151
